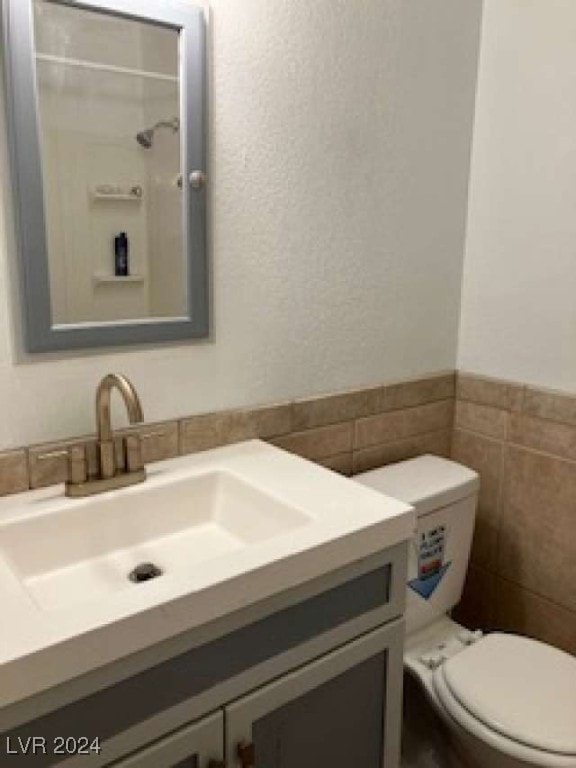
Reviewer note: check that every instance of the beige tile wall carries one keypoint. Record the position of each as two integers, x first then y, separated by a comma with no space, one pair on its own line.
522,441
348,432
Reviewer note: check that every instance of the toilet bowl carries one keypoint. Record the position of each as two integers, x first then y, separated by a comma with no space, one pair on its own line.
508,701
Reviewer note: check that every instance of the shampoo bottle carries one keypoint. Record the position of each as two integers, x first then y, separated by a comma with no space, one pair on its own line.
121,255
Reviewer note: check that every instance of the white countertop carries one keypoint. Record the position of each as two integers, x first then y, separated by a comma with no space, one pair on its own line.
42,648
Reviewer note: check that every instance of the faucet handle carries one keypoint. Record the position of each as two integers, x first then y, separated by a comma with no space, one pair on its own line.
153,434
134,460
50,455
76,462
77,465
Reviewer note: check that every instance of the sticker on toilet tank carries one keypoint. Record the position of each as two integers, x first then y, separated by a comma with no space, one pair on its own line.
431,566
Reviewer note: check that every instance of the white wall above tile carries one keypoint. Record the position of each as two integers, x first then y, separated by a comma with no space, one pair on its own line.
519,307
340,152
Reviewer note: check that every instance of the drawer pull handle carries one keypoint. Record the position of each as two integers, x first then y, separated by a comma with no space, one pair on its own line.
246,754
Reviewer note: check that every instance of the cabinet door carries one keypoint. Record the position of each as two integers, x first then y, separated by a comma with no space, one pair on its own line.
200,745
342,710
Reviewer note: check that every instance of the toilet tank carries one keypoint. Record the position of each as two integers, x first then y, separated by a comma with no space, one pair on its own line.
444,495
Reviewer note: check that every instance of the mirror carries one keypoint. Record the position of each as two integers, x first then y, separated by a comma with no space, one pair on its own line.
106,107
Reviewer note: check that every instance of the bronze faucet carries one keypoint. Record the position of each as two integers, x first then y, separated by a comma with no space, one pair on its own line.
119,464
103,417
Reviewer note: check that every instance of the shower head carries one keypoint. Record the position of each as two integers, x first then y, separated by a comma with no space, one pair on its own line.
146,137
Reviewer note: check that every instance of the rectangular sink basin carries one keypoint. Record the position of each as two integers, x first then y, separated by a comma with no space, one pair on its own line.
85,552
229,529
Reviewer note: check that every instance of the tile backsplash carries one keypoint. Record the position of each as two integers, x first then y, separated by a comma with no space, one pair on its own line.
347,431
14,475
522,441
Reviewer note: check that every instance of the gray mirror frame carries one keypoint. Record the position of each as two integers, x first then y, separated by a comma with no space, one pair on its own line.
23,133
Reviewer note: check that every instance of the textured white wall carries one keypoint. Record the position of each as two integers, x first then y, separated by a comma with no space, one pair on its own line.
340,141
519,307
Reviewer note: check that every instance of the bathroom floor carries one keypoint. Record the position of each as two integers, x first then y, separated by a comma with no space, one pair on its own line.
425,743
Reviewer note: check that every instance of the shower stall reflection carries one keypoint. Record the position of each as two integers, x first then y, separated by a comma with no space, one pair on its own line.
102,80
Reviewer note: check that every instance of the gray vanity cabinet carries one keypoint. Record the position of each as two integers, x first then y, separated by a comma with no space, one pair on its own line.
200,745
309,679
333,712
341,710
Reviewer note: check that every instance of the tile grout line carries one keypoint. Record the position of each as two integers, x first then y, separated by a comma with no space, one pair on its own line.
499,507
532,592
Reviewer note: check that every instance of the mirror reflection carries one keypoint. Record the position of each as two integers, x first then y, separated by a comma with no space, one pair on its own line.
111,147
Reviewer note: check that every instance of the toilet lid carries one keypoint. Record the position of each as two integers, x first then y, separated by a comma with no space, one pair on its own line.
521,688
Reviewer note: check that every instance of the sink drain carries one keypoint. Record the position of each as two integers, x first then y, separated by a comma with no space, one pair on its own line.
144,572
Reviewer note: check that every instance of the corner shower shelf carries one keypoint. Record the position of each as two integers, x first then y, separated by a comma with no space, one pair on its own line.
101,67
117,197
103,279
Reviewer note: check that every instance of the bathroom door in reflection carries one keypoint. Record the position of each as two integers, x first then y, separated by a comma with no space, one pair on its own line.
109,107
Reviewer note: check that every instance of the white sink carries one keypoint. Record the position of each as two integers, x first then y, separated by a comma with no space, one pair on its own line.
228,528
80,553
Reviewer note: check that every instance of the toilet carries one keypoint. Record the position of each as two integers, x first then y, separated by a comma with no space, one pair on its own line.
509,701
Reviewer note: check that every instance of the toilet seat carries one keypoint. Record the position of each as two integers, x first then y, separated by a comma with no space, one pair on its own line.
515,694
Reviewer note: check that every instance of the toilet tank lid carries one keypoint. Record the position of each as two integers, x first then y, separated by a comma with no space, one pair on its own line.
427,483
